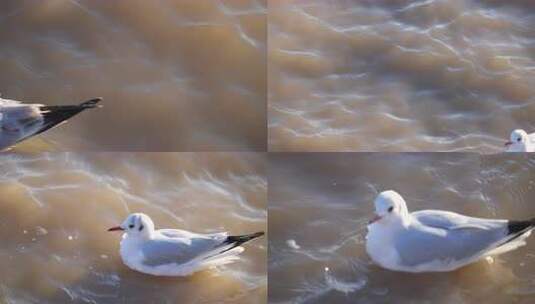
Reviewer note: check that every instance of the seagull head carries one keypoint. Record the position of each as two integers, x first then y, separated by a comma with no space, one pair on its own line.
390,207
517,137
136,225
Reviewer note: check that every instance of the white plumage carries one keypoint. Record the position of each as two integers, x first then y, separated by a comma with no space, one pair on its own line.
173,252
521,141
435,240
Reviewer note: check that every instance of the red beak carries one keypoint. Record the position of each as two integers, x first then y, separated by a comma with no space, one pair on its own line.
508,143
374,219
117,228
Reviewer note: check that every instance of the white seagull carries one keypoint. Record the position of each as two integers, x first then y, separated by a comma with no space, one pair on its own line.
435,240
19,121
173,252
521,141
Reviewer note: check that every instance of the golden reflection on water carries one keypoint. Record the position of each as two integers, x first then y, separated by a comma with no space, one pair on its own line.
174,75
399,75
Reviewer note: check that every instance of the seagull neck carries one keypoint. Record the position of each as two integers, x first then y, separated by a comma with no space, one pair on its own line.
520,147
147,235
403,220
404,216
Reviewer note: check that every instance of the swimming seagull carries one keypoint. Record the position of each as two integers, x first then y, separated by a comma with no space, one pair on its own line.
435,240
521,141
173,252
19,121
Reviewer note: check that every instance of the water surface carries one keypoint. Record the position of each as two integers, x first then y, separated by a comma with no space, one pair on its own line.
404,75
55,210
175,75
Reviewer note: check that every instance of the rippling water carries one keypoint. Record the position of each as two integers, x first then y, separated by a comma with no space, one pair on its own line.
319,206
55,210
175,75
403,75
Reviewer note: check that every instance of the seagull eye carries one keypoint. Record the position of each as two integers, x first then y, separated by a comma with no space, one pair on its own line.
391,209
141,227
519,139
131,226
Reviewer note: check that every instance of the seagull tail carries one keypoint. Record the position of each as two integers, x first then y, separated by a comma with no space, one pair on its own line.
517,233
236,240
54,115
520,227
240,239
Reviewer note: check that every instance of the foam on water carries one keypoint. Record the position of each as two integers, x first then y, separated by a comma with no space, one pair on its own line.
435,75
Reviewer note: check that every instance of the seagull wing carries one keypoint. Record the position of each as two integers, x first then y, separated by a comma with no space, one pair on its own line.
18,121
183,234
7,102
451,220
179,247
448,238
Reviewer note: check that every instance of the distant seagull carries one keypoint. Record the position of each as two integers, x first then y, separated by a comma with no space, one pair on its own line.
435,240
172,252
19,121
521,141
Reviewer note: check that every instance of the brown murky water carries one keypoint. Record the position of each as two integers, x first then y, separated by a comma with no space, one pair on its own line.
403,75
319,205
55,209
175,75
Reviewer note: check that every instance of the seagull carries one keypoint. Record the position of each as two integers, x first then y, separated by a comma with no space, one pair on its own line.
436,240
173,252
19,121
521,141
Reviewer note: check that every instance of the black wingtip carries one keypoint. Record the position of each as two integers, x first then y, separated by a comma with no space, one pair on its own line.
254,235
240,239
92,103
55,115
258,234
515,227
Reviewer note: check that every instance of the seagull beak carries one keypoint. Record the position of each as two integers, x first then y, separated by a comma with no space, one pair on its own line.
375,219
508,143
117,228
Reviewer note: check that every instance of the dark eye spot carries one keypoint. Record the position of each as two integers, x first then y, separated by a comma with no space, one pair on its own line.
131,226
391,209
141,227
519,139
